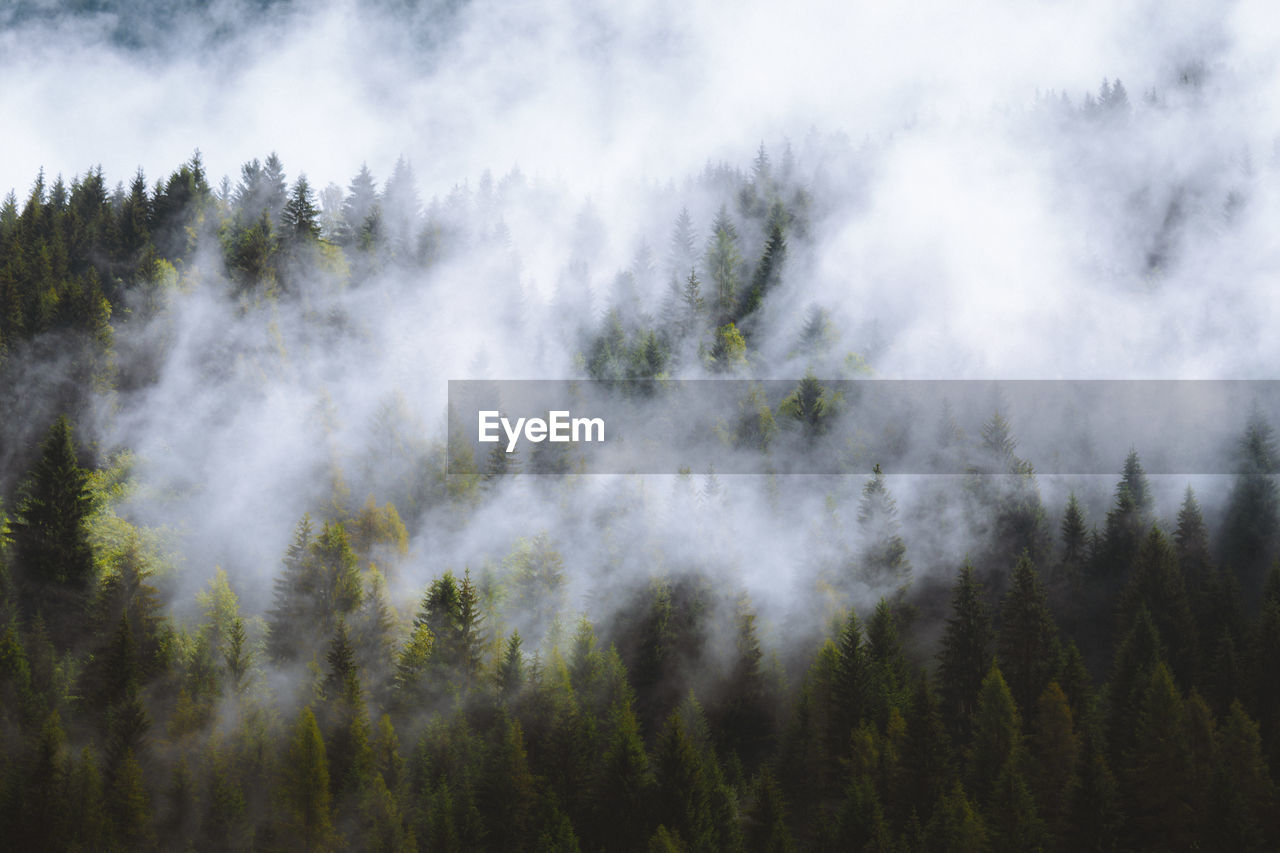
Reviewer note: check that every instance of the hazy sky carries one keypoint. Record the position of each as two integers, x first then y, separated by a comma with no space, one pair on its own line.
594,95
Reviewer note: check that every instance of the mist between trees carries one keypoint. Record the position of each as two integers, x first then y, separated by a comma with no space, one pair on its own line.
256,596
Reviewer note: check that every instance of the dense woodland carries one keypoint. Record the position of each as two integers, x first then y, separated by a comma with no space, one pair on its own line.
1053,684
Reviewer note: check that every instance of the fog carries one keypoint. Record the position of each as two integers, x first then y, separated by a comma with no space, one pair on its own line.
965,223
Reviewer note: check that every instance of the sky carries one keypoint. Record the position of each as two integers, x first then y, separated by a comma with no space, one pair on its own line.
594,96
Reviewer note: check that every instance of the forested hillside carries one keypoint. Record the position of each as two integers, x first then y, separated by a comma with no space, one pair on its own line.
198,372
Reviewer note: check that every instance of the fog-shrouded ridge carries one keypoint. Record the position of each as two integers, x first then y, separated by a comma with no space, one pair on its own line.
264,237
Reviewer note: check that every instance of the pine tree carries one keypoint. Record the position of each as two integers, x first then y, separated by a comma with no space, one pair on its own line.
1158,774
692,308
300,219
1136,659
769,270
965,657
852,679
766,820
87,802
956,826
1027,645
808,406
1055,751
1094,817
1156,583
1192,539
627,790
400,208
1012,819
275,188
887,669
1244,799
304,787
1127,522
997,735
723,265
925,770
1075,540
883,560
683,790
36,810
51,548
509,796
129,804
511,669
293,586
362,198
125,595
683,252
744,719
1250,538
470,638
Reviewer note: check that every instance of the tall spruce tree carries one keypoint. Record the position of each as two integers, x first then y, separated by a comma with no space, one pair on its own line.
1027,644
52,554
883,559
965,657
1250,538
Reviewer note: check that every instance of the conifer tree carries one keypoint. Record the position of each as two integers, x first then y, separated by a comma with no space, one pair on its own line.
1027,645
766,820
956,827
300,219
883,558
359,204
50,543
304,786
129,804
1192,540
1127,522
769,270
1093,812
1055,751
1136,659
683,789
997,736
887,668
511,669
925,770
723,265
293,586
1250,538
852,679
627,787
1158,776
1244,798
965,657
691,311
1075,540
1156,583
809,406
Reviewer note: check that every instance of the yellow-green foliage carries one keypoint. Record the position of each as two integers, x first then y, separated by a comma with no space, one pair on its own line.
375,526
112,536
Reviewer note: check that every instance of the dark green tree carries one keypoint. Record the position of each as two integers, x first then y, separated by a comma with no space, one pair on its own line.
1250,538
304,786
1027,644
965,657
300,219
51,548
